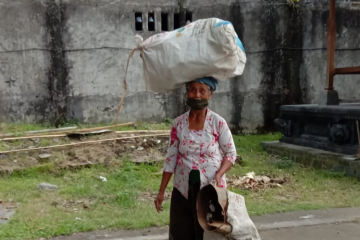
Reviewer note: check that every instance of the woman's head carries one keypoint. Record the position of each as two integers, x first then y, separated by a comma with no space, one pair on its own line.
200,91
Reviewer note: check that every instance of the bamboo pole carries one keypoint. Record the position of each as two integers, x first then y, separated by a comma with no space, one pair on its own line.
62,132
105,127
143,131
358,132
29,137
64,135
39,131
81,143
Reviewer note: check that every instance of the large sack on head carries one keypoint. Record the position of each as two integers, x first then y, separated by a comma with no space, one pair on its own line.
207,47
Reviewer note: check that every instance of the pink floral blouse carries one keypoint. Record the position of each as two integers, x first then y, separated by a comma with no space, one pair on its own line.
202,150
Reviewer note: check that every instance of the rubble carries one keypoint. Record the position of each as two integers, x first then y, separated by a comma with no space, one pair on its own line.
47,187
44,156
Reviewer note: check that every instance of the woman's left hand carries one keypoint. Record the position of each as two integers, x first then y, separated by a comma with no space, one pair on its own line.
217,178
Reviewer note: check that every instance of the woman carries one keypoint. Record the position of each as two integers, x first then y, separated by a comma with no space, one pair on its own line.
201,149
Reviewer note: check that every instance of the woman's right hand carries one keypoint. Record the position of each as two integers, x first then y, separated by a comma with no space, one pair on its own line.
158,201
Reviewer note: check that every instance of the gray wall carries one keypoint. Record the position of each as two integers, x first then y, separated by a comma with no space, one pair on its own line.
68,57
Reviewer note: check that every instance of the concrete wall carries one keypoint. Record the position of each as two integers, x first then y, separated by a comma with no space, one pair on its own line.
68,57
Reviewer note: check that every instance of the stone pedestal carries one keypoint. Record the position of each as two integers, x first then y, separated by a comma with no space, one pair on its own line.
327,127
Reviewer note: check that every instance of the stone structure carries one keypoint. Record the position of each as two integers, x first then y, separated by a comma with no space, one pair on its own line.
317,159
331,128
67,58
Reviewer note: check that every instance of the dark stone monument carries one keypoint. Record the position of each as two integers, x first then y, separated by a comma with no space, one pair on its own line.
327,127
330,125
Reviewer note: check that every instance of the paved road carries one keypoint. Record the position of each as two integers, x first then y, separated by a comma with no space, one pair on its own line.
348,231
331,224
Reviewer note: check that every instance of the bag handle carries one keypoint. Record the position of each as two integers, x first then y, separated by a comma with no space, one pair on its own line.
125,85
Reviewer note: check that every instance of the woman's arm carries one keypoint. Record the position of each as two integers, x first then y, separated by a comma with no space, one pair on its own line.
169,166
227,145
160,197
225,166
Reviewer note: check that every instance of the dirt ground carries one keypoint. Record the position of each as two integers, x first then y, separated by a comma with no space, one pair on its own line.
142,149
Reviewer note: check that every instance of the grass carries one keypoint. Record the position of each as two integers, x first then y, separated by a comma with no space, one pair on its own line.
114,205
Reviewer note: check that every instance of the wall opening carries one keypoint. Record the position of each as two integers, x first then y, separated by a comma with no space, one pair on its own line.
151,22
176,20
138,21
188,17
164,22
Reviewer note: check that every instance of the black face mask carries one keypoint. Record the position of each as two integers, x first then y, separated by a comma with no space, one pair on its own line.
197,104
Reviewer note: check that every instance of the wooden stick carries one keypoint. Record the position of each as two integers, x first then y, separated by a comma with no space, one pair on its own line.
75,131
28,137
143,131
39,131
64,135
105,127
358,132
80,143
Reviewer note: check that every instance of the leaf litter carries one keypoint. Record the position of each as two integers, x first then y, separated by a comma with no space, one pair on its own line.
252,182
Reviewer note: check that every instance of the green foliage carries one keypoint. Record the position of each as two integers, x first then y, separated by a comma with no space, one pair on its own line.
332,174
168,121
69,122
284,163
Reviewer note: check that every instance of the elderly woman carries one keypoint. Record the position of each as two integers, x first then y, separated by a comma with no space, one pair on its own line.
201,149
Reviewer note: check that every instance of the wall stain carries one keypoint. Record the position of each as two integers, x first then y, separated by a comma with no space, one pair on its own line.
280,84
237,98
58,84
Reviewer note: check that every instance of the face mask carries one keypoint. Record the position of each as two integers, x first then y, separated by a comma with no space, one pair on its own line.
197,104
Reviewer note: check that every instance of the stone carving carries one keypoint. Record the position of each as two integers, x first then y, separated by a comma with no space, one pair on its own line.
339,133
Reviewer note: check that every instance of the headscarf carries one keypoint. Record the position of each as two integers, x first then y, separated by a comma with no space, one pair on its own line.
210,81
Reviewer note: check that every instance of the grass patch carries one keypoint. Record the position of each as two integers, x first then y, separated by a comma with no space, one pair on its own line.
114,205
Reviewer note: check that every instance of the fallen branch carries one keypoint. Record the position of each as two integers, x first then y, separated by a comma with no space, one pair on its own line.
81,143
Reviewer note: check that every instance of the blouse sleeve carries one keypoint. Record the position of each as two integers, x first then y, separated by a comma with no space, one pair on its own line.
226,142
173,150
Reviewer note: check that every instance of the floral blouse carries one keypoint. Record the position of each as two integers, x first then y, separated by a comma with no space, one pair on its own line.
202,150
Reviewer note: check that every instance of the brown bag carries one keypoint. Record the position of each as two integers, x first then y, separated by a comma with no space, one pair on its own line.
211,205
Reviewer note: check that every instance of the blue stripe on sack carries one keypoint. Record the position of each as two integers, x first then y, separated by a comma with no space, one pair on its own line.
221,24
239,43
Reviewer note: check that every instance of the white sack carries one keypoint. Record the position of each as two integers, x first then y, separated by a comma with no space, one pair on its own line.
243,227
204,48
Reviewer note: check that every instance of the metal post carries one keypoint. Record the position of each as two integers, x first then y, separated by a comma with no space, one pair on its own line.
331,32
